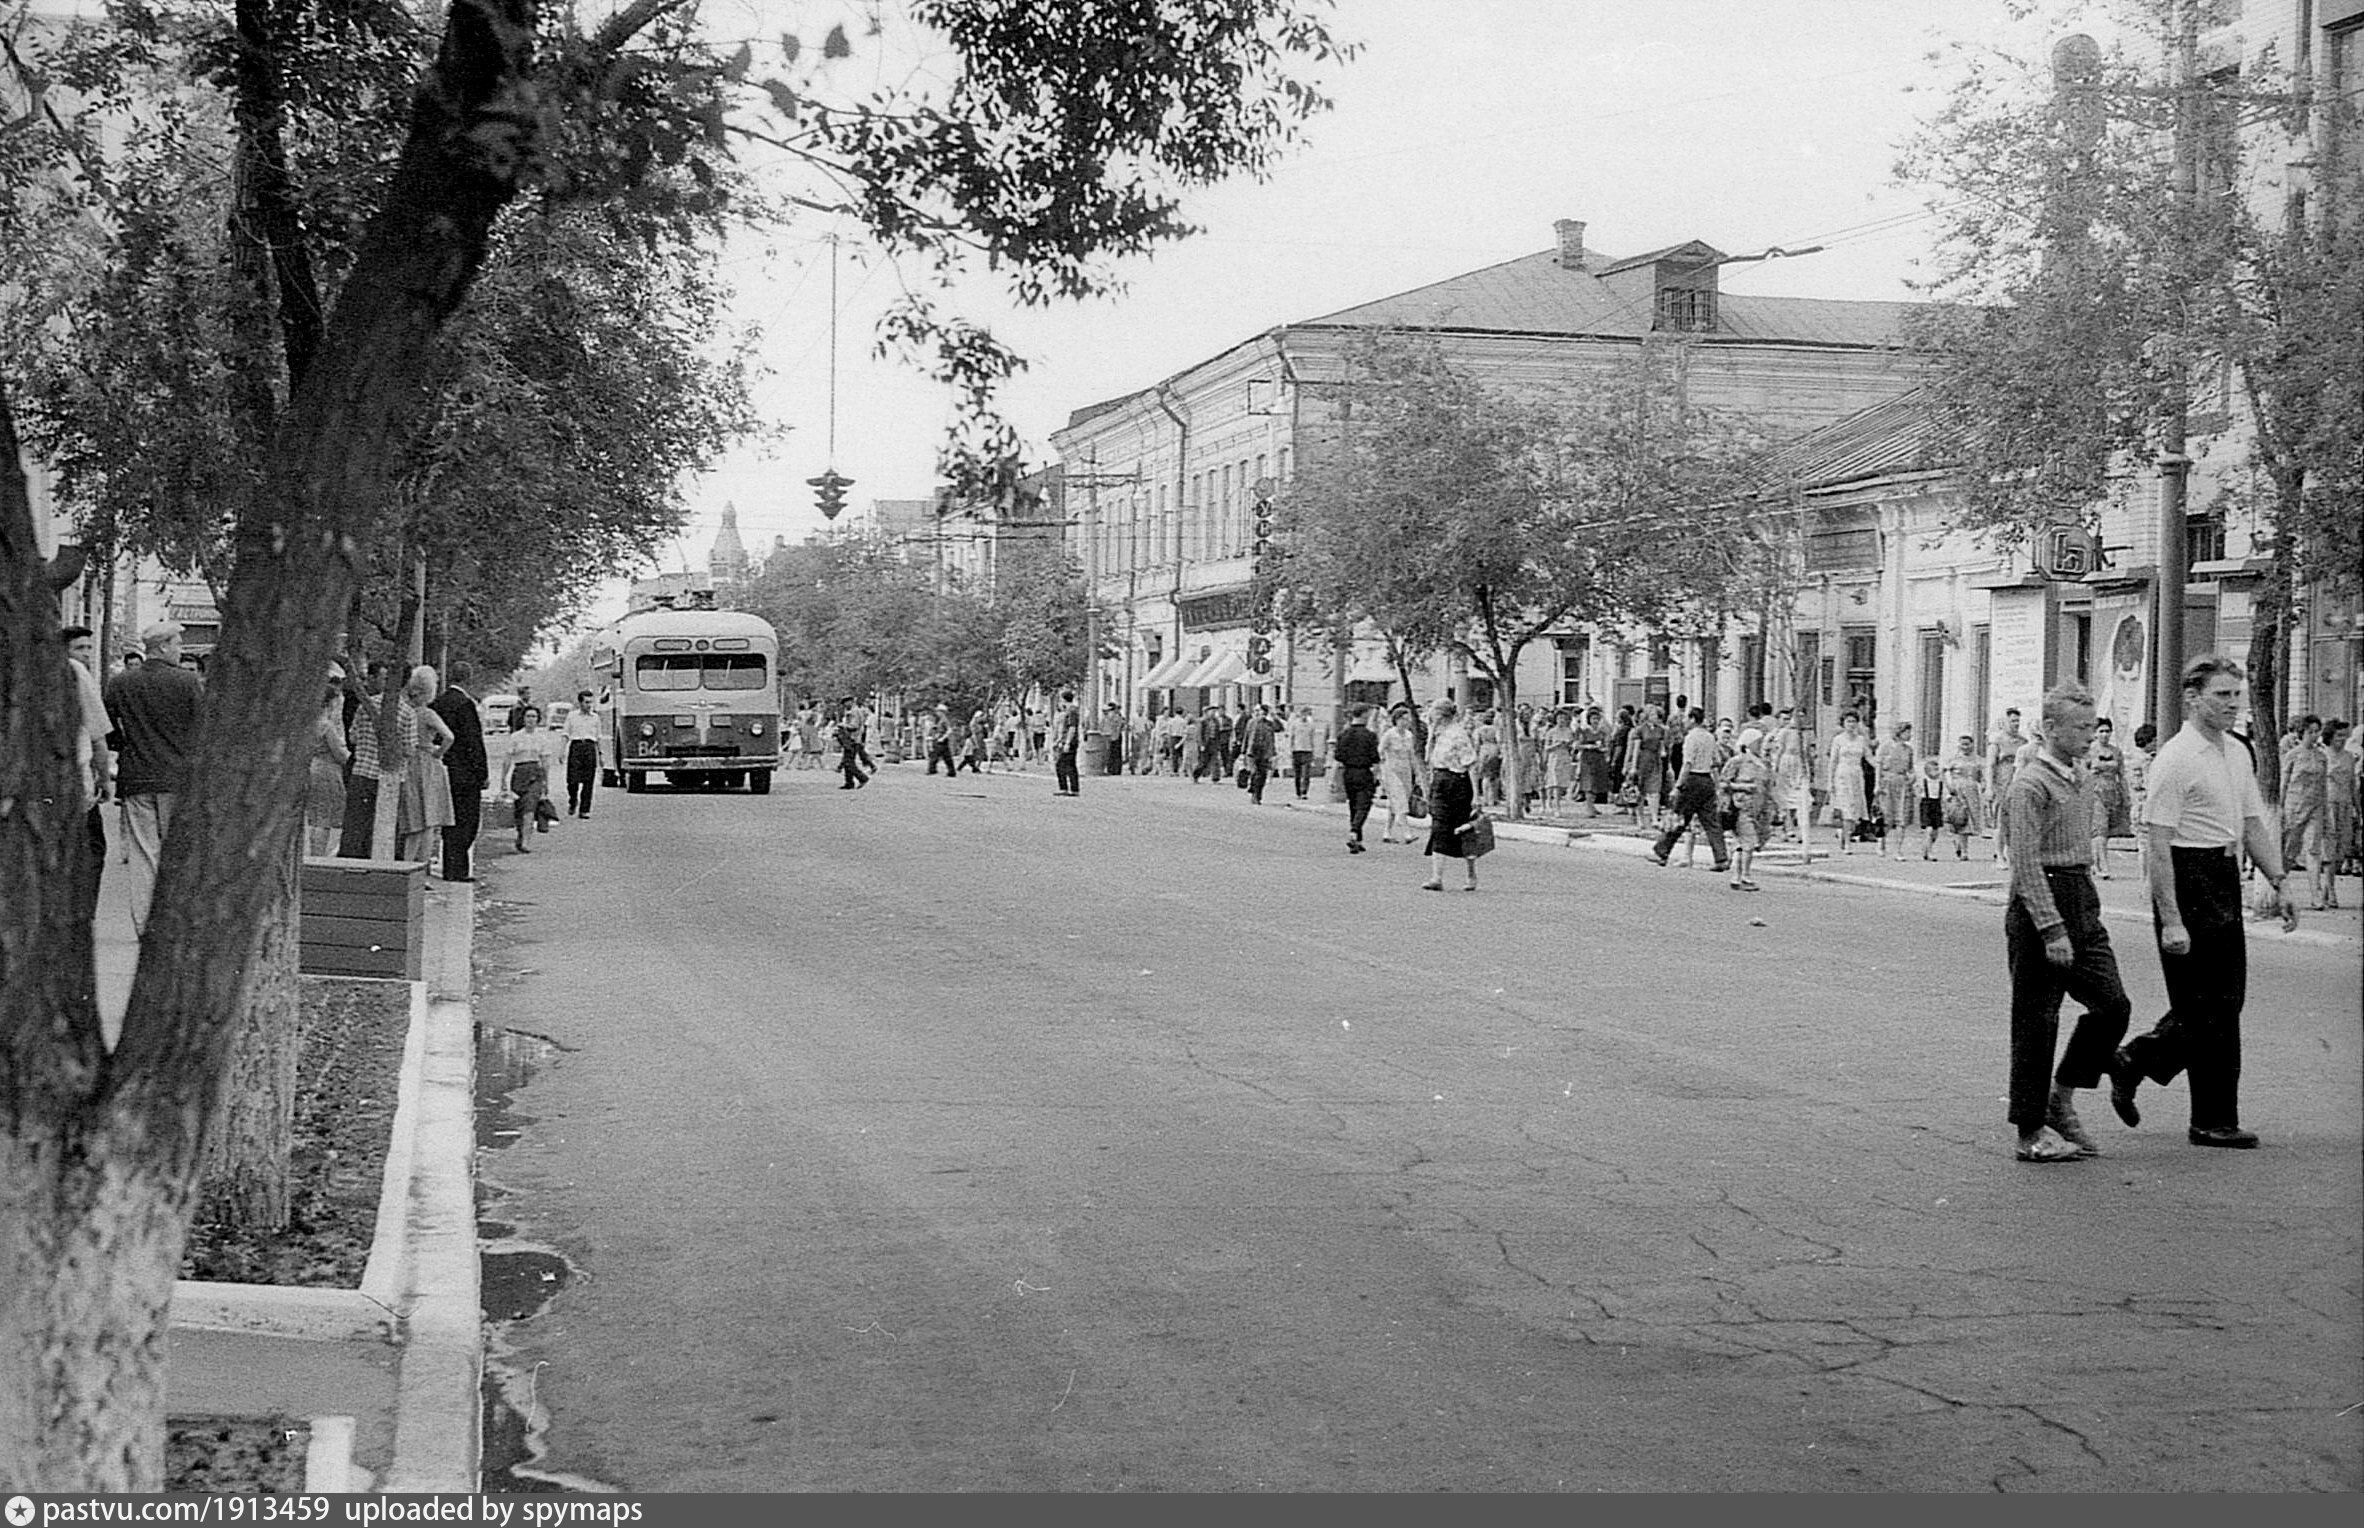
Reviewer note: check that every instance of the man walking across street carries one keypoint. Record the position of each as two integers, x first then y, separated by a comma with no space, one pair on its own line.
2054,939
1357,751
2201,806
936,725
1695,795
1259,746
582,755
1066,738
155,709
470,775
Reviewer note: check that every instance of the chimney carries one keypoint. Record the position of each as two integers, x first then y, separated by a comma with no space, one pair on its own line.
1571,237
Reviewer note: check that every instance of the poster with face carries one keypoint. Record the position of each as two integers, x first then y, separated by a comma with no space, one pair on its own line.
2121,687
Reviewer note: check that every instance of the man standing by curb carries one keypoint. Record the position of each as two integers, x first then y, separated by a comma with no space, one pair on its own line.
1695,795
2202,805
2054,939
155,709
470,774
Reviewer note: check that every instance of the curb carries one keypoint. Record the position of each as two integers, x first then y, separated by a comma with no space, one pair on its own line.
438,1420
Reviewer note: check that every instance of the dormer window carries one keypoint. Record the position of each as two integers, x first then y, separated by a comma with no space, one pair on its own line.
1686,310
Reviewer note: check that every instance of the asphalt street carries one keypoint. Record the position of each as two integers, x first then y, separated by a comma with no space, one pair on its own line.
953,1136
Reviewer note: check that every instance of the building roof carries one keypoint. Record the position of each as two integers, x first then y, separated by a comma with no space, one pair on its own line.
1890,437
1537,295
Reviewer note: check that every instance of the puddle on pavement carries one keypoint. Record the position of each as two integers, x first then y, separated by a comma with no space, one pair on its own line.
519,1277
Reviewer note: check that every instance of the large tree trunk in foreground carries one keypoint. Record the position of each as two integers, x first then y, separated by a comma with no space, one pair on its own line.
246,1158
100,1158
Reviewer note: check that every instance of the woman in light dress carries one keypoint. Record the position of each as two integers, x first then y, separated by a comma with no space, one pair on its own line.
426,786
1895,765
1793,772
324,798
1399,749
1847,754
1559,760
2306,793
1965,794
2105,763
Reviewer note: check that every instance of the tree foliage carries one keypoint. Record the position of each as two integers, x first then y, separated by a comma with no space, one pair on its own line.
100,1151
2098,297
1448,514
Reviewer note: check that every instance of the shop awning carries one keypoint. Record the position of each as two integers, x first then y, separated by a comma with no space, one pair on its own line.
1219,668
1168,673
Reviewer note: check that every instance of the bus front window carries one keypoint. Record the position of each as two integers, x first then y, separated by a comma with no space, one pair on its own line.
735,672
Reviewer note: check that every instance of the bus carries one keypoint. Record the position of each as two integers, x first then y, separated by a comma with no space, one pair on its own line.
691,693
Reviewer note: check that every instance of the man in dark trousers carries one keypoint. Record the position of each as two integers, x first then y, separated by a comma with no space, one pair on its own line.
465,763
1357,752
2054,939
1695,794
155,710
1066,741
2201,806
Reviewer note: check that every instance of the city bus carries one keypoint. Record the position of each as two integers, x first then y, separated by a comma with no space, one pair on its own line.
688,692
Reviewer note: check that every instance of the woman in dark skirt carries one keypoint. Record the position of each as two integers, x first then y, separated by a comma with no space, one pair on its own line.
1452,761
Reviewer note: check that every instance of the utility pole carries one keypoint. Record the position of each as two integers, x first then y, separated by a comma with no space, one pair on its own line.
2174,461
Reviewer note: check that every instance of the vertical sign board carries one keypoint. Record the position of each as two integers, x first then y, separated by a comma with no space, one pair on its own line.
2019,622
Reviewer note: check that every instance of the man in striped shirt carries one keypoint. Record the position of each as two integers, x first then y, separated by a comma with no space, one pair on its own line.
2053,936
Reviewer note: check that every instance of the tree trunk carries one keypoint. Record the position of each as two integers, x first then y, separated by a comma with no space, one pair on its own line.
247,1158
99,1165
2269,619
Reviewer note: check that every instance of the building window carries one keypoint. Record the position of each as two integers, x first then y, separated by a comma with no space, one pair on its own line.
1686,310
1862,647
1981,681
1752,672
2203,539
1931,720
1575,657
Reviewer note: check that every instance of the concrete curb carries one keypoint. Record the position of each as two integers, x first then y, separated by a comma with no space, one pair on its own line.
438,1446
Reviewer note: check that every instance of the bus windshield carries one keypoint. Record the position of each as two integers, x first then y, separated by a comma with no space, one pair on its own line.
696,671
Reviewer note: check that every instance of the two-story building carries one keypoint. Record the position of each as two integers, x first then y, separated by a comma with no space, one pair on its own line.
1164,483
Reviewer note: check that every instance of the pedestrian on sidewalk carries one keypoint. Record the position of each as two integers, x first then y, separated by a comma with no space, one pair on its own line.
1066,738
96,759
2106,765
1357,752
2002,759
2339,814
2203,806
2055,943
2306,779
331,760
1929,793
1399,755
1301,752
525,764
1965,808
1895,765
155,708
426,808
468,771
1259,748
1847,798
1746,782
1452,794
582,754
1695,796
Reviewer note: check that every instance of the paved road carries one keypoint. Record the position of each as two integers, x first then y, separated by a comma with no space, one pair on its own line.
961,1138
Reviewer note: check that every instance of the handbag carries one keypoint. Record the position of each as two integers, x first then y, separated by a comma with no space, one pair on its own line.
544,813
1479,833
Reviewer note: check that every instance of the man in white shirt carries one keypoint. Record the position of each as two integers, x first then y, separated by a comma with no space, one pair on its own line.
98,761
582,755
2202,805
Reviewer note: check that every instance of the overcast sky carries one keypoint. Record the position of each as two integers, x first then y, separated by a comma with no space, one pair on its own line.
1464,129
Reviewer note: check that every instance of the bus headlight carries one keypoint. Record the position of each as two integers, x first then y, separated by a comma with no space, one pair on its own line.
648,729
755,728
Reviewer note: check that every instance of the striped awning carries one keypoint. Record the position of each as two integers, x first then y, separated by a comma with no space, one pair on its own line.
1168,673
1219,668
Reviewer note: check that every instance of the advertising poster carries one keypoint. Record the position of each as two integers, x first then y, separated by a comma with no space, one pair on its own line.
2017,623
2122,660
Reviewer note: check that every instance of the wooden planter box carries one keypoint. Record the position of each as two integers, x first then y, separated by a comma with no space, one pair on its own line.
363,918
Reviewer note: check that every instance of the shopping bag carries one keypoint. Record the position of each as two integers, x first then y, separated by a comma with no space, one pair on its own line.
1478,836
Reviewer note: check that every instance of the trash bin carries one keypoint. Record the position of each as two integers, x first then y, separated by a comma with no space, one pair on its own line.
1094,758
